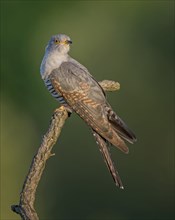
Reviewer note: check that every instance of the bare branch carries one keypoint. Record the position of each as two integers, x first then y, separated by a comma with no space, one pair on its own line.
109,85
27,196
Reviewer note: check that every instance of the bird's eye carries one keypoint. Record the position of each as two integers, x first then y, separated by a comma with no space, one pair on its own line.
56,41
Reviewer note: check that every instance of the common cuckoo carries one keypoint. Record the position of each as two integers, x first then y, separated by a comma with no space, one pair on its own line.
75,88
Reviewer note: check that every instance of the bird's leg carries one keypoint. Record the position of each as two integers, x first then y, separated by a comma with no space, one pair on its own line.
68,109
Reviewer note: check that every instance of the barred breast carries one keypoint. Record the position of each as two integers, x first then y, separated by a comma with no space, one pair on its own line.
55,94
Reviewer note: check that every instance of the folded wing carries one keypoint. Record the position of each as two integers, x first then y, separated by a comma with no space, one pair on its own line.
86,97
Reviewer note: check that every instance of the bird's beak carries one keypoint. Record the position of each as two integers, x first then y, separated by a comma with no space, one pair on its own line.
69,42
66,42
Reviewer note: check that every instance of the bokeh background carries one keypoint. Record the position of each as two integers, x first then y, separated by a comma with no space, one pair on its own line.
131,42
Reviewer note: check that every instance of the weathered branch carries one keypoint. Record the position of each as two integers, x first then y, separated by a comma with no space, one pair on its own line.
27,196
109,85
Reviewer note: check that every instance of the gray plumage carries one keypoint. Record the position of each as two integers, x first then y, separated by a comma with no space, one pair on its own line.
73,86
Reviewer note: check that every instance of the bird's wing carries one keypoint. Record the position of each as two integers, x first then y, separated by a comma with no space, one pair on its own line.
120,126
85,96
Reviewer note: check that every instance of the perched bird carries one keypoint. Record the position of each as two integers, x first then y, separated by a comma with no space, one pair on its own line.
75,88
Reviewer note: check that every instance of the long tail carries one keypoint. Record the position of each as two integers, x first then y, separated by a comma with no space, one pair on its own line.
102,143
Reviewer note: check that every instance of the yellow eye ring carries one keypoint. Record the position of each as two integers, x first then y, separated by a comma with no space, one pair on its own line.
57,41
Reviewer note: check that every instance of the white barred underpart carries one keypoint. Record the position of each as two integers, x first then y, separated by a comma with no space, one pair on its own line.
55,94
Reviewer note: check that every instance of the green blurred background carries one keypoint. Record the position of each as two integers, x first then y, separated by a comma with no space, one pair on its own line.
127,41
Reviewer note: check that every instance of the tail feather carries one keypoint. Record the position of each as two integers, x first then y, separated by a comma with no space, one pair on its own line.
102,143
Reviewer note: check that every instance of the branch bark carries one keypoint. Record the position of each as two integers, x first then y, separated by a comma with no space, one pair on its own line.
27,196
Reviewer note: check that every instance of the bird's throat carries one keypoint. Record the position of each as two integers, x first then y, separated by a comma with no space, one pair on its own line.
50,62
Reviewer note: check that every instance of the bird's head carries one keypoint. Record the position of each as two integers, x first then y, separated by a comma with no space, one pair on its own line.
60,43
